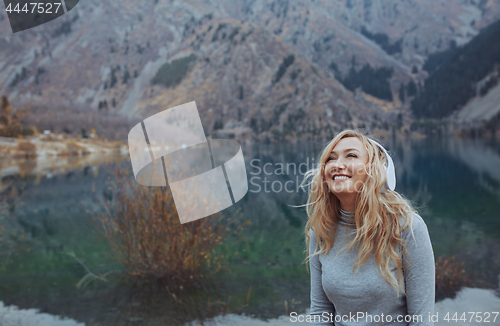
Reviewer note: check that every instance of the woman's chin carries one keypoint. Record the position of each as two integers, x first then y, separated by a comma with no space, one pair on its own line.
342,191
341,187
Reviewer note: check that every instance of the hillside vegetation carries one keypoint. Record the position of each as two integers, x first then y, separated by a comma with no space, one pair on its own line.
374,81
455,81
383,40
171,73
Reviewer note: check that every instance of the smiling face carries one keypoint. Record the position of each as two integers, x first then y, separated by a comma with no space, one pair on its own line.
345,170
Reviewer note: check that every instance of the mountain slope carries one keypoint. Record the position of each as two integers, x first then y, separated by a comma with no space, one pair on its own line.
457,80
327,31
245,80
107,62
104,55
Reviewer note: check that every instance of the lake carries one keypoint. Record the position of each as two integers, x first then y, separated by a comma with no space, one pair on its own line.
454,184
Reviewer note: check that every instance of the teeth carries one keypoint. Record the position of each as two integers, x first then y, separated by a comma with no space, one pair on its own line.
340,177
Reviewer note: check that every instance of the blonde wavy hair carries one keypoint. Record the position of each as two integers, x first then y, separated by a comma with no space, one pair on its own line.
378,215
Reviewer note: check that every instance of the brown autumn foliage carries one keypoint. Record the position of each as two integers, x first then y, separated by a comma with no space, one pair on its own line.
450,277
143,228
12,124
27,149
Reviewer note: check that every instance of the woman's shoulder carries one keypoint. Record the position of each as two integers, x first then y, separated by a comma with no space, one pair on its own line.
417,226
417,220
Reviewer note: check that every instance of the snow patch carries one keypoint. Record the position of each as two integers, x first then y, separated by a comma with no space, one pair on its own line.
13,316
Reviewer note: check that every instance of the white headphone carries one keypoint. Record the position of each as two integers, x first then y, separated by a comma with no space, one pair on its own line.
391,173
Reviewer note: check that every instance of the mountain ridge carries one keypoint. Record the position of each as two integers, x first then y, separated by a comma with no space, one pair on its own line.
103,56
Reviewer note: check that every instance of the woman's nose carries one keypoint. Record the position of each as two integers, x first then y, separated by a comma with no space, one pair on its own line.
338,164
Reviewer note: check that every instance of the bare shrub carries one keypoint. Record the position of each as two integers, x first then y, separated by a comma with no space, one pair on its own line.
450,277
145,232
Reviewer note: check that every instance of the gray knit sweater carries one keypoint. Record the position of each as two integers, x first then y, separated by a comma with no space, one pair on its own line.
339,297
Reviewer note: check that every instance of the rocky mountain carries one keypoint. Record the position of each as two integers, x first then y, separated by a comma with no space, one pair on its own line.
469,71
333,31
263,69
465,89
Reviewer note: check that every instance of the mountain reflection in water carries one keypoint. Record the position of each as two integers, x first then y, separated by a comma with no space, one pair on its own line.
454,183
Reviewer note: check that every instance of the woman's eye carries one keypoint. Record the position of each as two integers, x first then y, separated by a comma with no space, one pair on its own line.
329,159
352,155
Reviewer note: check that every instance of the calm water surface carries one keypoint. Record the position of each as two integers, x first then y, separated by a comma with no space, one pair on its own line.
455,185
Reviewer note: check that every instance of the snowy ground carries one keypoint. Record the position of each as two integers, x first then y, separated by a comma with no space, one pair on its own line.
469,300
12,316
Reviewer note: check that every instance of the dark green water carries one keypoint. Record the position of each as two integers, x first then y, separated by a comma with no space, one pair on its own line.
455,185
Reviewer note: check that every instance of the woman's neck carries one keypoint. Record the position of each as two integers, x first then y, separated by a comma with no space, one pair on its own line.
348,207
347,201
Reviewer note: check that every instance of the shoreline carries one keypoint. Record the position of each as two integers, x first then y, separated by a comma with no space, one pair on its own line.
57,145
467,300
54,154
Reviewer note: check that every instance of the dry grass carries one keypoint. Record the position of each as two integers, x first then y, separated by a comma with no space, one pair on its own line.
14,131
144,230
450,277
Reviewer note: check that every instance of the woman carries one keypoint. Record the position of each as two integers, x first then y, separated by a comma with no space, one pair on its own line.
371,259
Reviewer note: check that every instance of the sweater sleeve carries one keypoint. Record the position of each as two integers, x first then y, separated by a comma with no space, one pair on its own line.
320,304
419,273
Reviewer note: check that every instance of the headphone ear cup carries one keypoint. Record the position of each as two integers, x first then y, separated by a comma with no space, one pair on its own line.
391,174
